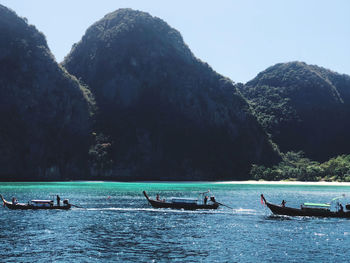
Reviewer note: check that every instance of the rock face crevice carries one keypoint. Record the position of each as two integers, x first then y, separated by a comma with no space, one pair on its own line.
163,113
44,111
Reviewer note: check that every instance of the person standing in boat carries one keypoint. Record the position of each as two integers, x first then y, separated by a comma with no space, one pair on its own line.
14,201
58,200
158,198
205,199
283,204
341,208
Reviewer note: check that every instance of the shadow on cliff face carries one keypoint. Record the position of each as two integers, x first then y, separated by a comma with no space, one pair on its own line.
44,111
166,114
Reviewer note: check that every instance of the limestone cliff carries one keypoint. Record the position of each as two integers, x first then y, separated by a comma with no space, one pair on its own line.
163,113
44,111
304,107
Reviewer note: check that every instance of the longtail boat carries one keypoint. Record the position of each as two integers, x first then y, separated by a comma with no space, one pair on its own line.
36,204
308,209
181,203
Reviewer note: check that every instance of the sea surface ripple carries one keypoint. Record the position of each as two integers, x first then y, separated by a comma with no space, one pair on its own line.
118,225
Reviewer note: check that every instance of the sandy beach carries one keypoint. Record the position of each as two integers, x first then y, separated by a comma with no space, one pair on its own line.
287,183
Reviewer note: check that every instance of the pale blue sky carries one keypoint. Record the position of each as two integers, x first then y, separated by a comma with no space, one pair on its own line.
237,38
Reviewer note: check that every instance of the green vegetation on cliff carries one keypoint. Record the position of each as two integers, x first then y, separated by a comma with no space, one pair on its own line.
295,166
163,113
44,111
303,107
150,110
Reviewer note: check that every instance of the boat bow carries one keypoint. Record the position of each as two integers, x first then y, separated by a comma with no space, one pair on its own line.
146,195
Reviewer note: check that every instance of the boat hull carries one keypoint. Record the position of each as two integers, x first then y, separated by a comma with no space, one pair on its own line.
185,206
31,207
19,206
157,204
312,212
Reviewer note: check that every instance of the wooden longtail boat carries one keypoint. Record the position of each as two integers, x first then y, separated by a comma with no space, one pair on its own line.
307,209
36,204
180,203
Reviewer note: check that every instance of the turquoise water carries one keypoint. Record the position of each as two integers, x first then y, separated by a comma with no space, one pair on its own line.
118,225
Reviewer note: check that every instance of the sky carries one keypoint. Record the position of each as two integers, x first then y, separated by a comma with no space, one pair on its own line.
237,38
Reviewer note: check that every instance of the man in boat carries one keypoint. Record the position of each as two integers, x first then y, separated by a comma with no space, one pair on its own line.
283,204
341,208
212,198
58,200
158,198
205,199
14,201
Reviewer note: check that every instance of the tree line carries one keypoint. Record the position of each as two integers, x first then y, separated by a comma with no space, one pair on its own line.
296,167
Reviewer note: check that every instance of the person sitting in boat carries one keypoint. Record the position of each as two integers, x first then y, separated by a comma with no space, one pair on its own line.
14,201
212,198
205,199
341,208
283,204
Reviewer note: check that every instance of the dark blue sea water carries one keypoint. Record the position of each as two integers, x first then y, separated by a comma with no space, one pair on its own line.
124,228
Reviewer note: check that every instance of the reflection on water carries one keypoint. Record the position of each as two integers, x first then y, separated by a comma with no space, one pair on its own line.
117,224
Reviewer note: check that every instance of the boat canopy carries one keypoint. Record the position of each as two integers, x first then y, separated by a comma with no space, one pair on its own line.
317,205
184,200
42,201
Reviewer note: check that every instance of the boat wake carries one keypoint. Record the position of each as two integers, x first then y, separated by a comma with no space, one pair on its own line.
166,210
138,209
245,211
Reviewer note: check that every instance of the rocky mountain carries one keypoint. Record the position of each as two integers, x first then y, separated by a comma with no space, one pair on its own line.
163,113
303,107
44,111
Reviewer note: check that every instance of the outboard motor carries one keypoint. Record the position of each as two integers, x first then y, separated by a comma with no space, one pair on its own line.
65,202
